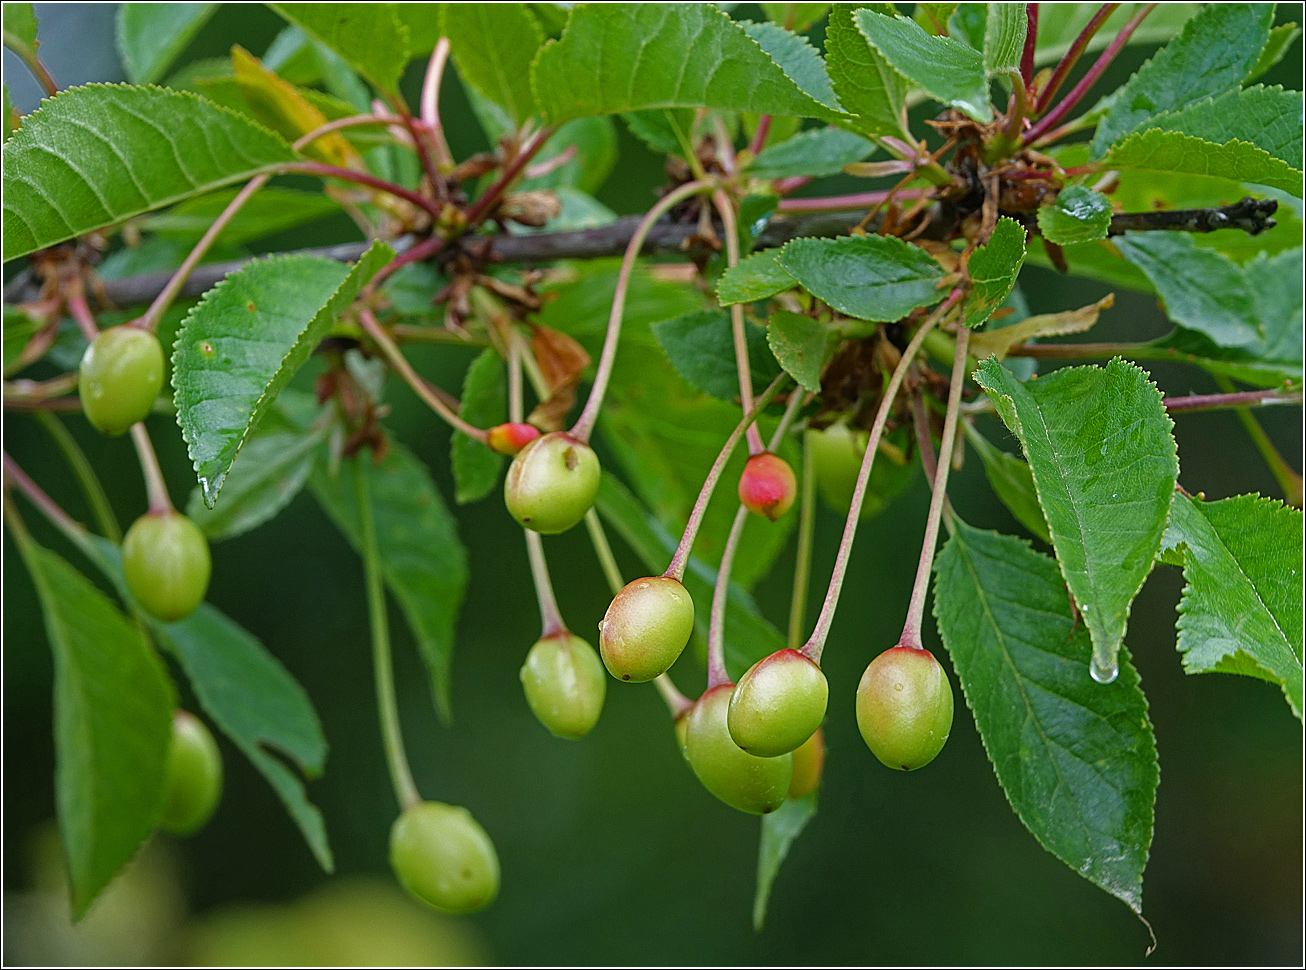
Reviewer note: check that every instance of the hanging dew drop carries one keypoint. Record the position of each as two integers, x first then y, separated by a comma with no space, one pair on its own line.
1104,672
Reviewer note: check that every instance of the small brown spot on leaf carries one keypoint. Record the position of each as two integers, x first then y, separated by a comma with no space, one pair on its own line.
250,307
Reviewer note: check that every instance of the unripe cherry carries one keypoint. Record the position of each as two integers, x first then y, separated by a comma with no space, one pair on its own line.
510,438
646,627
767,486
193,782
564,683
741,780
779,703
165,559
552,483
443,857
809,764
120,376
836,461
904,707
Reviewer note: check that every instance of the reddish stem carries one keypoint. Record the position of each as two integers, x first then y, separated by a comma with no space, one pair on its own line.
1031,41
731,230
835,203
1213,402
482,206
1072,55
759,136
1088,80
81,312
322,170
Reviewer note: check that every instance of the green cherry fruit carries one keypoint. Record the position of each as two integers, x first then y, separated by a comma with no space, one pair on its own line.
443,857
778,705
744,781
193,783
904,707
165,558
121,374
646,627
552,483
564,683
767,486
809,764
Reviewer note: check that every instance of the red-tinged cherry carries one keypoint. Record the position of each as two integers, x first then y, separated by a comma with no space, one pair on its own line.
809,764
165,559
743,781
767,486
564,683
510,438
193,780
120,376
779,703
443,857
646,627
552,483
904,707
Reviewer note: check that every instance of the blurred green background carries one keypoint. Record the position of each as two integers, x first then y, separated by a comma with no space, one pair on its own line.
611,851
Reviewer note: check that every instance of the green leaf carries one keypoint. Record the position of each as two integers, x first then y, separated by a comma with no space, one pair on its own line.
1075,758
113,707
867,87
19,329
749,636
152,35
99,154
271,209
755,277
869,277
1013,483
422,561
1241,610
1060,23
243,342
493,45
1078,215
1174,152
20,24
658,127
1104,462
817,153
627,57
1275,47
10,113
1216,51
992,269
369,36
801,345
1251,308
948,71
1004,38
423,22
794,16
1269,118
595,144
273,469
797,58
484,404
701,348
259,706
779,829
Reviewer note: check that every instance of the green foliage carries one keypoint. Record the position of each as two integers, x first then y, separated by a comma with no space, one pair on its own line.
98,154
701,348
484,404
868,87
868,277
493,46
20,25
779,830
1013,483
801,345
112,723
272,209
1078,215
152,35
1241,611
370,37
818,152
244,341
1004,38
1174,152
755,277
1099,446
1075,758
423,563
993,269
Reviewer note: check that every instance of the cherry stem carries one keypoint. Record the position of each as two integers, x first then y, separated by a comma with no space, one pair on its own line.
398,362
1289,481
729,227
482,206
816,642
1051,119
716,629
676,569
48,507
759,136
430,103
1237,399
392,738
1031,42
156,487
85,475
34,64
677,703
515,407
603,549
835,203
585,423
911,631
323,170
1072,55
806,538
550,617
81,312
